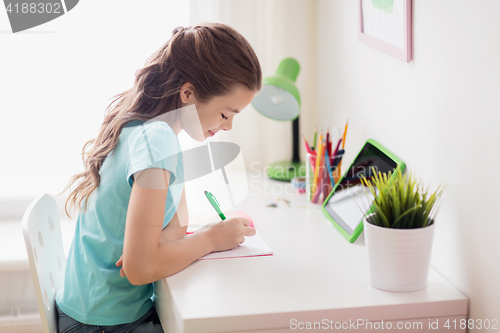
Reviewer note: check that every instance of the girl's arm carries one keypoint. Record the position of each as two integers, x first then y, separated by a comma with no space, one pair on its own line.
174,230
177,227
145,258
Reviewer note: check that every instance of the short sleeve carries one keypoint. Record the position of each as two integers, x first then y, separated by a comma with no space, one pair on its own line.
153,145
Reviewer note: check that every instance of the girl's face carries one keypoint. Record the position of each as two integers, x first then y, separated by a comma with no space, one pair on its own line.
217,114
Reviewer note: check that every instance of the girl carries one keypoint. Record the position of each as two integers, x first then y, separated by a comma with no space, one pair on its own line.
132,221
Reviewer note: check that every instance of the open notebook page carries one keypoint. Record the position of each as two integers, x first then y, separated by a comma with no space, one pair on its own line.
252,246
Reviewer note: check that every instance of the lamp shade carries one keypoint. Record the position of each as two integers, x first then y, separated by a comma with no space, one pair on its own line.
279,98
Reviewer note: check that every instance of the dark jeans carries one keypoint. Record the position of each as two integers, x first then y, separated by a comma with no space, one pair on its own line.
147,323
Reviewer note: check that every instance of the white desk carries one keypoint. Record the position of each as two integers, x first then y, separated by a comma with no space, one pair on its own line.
314,275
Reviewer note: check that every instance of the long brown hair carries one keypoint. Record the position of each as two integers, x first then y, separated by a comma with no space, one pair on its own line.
213,57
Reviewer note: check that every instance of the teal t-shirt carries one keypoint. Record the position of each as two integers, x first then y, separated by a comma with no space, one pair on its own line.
94,292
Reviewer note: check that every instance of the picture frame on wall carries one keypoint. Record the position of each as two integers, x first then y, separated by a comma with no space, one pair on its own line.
387,25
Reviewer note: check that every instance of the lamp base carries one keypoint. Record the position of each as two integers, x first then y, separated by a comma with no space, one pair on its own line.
286,170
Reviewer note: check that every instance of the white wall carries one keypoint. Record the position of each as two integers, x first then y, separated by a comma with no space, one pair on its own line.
276,29
439,113
57,79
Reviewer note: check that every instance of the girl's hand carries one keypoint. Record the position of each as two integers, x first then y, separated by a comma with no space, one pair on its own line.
120,263
228,234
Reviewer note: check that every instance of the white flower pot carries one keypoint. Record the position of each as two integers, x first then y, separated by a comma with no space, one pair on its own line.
398,259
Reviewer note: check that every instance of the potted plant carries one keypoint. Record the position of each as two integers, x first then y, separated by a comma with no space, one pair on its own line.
399,231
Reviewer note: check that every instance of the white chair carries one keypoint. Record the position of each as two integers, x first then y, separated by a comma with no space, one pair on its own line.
42,235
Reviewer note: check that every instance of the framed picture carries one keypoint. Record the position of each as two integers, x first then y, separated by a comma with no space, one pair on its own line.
386,25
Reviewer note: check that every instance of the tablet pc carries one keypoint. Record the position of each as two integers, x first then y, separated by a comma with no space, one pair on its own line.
347,204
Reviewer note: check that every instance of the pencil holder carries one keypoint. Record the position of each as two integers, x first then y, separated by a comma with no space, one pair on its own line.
318,178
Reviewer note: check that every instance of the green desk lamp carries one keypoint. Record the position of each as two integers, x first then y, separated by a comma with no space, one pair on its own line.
279,99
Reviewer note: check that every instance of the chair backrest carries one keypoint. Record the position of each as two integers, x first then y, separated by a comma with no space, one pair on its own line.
42,235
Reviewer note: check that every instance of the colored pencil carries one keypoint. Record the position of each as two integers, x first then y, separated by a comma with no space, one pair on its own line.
329,168
338,158
338,172
316,169
321,175
328,140
345,133
311,158
326,187
315,137
335,152
308,149
320,139
322,170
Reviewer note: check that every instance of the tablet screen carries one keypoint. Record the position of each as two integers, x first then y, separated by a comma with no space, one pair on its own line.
349,203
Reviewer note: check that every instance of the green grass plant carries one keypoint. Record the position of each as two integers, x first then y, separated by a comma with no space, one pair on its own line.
401,201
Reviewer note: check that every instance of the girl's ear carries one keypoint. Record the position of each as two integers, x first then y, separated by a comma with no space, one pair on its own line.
187,93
